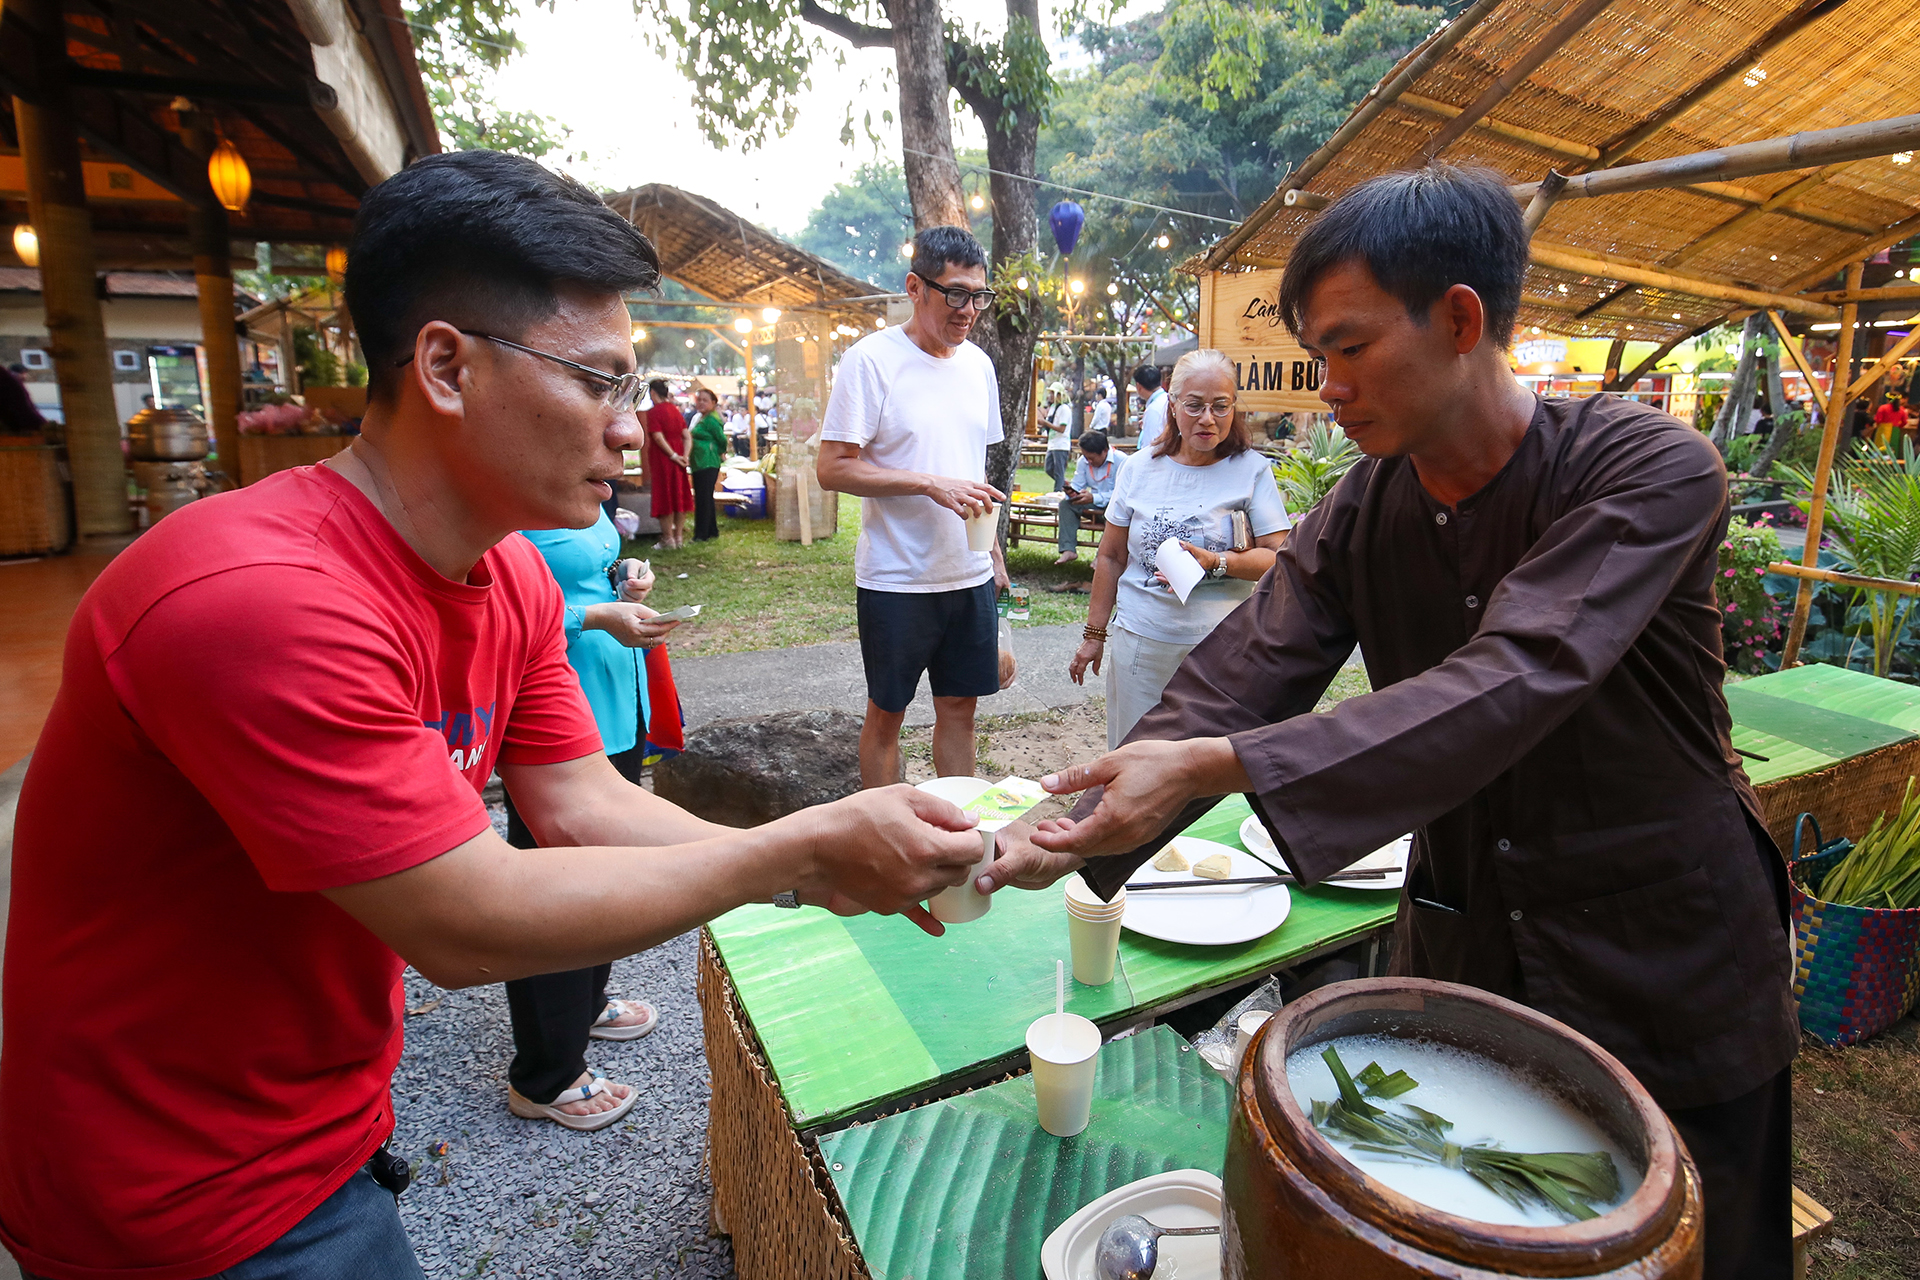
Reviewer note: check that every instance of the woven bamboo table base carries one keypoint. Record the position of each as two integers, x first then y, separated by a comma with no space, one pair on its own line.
1844,799
770,1192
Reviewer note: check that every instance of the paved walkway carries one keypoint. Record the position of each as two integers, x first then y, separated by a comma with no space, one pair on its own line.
722,686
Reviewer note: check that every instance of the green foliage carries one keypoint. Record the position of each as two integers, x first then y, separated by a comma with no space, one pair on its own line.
1308,474
1749,615
747,60
1016,71
1873,517
458,44
1883,869
1032,306
861,223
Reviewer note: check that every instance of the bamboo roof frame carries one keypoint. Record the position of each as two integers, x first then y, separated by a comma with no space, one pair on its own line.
718,254
1627,158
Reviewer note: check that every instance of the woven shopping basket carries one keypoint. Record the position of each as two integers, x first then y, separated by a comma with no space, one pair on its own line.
1856,970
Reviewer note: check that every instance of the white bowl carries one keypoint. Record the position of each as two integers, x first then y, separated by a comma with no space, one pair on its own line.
1177,1198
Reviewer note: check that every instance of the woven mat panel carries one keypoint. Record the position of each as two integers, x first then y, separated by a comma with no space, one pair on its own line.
1844,799
1622,68
767,1187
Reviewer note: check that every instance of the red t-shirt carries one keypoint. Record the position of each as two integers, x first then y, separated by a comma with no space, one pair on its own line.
267,695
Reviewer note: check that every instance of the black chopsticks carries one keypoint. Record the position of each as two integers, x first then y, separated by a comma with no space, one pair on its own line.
1203,883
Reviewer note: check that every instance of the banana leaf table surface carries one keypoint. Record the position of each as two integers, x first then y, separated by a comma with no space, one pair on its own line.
860,1015
1808,718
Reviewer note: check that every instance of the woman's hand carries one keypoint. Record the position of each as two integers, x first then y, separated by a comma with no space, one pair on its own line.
1208,560
1087,655
634,588
632,625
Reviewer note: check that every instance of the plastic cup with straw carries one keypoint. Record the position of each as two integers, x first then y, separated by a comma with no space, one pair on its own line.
1065,1049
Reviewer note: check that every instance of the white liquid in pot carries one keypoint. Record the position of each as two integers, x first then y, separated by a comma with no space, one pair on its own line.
1489,1106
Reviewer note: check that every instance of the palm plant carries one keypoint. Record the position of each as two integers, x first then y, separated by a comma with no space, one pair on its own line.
1308,474
1873,517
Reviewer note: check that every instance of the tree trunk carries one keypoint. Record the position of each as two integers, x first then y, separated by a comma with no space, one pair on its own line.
1013,136
1739,402
926,127
1776,394
1616,356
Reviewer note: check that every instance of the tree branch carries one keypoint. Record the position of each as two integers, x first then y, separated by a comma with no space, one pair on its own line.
858,34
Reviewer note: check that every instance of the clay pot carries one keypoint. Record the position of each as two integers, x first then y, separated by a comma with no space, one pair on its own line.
160,435
1297,1210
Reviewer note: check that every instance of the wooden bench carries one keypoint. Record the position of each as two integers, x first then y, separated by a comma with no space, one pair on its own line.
1811,1220
1034,522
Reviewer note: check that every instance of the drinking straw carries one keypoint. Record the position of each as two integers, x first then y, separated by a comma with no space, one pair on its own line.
1059,987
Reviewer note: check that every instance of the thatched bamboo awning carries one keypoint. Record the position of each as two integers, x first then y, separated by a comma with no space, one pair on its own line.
1530,86
720,255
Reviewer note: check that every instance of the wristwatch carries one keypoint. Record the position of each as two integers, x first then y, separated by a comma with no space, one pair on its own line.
1219,569
790,899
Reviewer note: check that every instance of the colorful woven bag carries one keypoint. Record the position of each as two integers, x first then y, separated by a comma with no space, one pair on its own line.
1856,970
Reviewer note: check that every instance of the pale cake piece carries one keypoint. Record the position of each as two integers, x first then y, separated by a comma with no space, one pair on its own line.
1171,859
1217,867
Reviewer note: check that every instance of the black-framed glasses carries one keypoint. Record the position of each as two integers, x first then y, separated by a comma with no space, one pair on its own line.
957,297
622,389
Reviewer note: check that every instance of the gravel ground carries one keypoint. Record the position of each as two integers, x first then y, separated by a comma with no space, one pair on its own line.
528,1198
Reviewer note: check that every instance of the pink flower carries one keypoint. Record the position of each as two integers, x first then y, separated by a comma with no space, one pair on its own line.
1732,607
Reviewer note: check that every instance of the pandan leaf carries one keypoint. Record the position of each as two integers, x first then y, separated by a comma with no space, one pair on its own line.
1349,1092
1439,1124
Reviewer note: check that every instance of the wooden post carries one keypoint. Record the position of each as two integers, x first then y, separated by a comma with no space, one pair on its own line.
77,335
213,277
1837,403
753,430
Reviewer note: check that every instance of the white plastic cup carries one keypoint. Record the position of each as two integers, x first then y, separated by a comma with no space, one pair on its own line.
982,530
1093,932
1065,1049
1244,1029
962,902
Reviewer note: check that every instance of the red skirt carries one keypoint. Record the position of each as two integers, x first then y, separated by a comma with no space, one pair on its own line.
672,491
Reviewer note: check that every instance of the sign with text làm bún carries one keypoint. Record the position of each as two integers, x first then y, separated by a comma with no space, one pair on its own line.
1240,315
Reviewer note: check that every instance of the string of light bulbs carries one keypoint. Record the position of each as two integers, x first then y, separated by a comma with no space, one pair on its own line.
1078,191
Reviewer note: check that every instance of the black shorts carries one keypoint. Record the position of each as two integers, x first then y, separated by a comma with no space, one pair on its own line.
950,635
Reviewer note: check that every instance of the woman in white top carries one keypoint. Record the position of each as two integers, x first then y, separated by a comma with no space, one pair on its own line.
1187,486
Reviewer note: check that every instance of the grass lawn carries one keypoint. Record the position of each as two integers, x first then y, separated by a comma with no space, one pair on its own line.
760,593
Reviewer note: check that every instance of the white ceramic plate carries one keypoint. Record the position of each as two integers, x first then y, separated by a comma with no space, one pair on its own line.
1177,1198
1255,837
1207,915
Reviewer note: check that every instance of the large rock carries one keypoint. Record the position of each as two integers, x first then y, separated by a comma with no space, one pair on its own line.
757,768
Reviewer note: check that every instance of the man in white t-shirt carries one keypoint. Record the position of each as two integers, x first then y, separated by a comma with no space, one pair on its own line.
912,412
1059,447
1102,410
1153,414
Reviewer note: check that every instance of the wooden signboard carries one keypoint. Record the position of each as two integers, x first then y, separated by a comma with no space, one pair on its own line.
1240,315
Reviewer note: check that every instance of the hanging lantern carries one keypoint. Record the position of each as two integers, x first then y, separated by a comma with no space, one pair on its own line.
337,263
1066,219
228,175
26,243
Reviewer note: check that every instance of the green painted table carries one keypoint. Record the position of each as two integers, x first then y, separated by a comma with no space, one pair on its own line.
853,1015
1810,718
972,1185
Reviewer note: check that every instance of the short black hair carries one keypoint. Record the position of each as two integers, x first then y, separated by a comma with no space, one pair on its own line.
659,387
937,248
1148,377
1420,232
480,240
1093,442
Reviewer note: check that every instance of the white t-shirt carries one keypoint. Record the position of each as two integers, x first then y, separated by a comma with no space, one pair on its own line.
1102,415
909,411
1157,499
1153,417
1061,420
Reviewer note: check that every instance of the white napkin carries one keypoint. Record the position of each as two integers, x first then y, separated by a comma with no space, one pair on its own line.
1182,571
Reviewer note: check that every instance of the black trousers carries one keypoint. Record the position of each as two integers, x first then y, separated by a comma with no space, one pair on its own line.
706,523
552,1012
1744,1151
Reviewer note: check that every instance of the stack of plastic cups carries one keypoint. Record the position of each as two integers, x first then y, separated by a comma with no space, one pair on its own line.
1093,930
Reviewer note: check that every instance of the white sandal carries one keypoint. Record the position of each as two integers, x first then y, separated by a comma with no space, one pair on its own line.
603,1030
595,1087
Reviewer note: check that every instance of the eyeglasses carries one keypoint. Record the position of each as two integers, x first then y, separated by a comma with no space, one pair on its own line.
1193,408
622,389
957,297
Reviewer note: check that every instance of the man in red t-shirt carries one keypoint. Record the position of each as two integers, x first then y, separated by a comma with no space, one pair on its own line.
258,792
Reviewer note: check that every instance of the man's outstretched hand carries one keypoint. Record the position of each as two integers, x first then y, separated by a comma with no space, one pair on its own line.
888,851
1145,786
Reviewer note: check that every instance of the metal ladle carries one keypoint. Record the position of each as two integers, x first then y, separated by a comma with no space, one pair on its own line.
1129,1248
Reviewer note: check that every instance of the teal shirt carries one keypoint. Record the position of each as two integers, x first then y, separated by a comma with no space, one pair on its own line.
709,443
610,673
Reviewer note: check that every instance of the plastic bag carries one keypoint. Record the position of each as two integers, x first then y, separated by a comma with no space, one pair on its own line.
1008,666
626,522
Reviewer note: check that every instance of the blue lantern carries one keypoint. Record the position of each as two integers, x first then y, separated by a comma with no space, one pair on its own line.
1066,219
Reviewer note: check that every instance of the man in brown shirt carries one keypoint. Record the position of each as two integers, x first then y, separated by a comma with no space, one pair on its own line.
1531,586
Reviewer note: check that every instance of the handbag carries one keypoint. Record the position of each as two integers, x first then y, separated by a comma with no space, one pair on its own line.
1856,970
